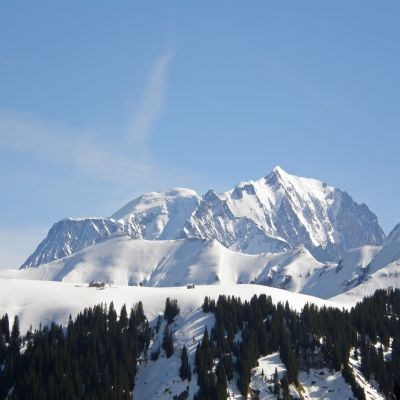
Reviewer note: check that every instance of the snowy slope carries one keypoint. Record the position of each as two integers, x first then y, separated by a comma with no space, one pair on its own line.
390,252
157,215
274,214
40,302
382,272
317,384
126,261
43,301
339,277
382,279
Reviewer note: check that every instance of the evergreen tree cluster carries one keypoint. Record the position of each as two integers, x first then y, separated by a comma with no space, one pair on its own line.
94,357
378,323
10,344
171,310
313,338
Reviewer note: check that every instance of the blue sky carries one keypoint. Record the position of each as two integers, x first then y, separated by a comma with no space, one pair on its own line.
101,101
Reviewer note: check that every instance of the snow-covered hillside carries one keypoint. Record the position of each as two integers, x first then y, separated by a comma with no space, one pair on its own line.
126,261
381,273
339,277
42,302
274,214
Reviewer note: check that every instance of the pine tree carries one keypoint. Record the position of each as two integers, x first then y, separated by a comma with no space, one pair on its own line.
365,360
221,375
185,370
221,388
277,384
123,318
171,310
285,388
168,342
15,339
5,327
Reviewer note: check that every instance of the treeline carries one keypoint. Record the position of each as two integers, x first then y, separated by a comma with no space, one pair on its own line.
94,357
313,338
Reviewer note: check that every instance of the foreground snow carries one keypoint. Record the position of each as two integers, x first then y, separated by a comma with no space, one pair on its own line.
44,301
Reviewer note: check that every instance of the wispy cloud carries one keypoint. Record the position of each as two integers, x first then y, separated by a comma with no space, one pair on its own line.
152,103
129,163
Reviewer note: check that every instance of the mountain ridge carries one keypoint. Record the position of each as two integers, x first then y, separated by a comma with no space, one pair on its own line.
273,214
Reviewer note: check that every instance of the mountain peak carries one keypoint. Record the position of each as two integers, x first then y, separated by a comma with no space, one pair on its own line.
279,173
278,176
279,170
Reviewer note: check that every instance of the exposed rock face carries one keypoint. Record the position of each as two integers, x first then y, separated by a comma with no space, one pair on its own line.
68,236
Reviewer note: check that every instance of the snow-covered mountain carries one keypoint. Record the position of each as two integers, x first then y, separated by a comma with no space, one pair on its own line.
274,214
287,211
161,263
382,272
69,235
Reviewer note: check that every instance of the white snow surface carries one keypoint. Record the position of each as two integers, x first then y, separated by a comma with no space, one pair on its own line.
337,278
126,261
45,301
324,384
381,279
381,273
158,215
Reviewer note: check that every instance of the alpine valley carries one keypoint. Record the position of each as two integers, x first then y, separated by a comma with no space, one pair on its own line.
283,287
